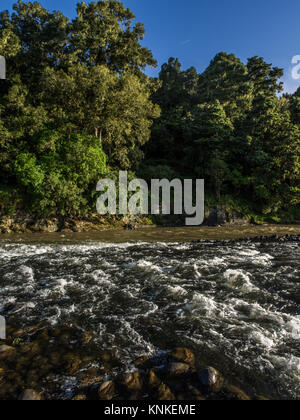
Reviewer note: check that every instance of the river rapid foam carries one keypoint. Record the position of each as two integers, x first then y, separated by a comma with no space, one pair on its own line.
236,305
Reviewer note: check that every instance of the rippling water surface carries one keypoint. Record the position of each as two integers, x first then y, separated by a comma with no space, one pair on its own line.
235,305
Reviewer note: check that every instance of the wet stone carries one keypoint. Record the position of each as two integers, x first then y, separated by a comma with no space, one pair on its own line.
30,395
143,362
6,349
132,381
154,381
107,390
236,394
164,393
211,379
183,355
79,398
261,398
177,369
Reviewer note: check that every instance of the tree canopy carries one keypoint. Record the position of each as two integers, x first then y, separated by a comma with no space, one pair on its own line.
77,104
76,101
230,126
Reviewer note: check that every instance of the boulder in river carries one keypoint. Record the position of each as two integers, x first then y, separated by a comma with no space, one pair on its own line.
6,349
177,369
183,355
235,394
211,379
107,390
164,393
132,381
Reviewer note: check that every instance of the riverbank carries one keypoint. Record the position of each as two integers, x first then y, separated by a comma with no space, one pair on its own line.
215,216
154,234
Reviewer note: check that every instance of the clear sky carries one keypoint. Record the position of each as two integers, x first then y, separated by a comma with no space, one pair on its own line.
196,30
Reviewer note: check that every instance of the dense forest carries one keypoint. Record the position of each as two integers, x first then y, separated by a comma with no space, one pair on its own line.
77,105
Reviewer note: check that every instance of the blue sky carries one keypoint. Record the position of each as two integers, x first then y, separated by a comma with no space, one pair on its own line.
196,30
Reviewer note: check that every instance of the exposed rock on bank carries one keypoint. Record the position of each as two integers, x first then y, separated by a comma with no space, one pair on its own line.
219,216
22,223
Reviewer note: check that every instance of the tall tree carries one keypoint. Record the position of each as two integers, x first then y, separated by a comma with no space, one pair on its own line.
72,83
103,33
226,80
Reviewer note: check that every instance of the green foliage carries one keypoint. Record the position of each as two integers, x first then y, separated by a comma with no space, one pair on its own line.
61,179
28,172
77,105
75,100
228,126
155,170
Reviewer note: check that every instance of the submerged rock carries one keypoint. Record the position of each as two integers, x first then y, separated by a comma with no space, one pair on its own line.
71,363
211,379
154,381
6,349
236,394
164,393
177,369
132,381
30,395
107,390
183,355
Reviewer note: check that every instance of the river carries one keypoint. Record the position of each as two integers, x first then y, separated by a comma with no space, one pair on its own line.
235,304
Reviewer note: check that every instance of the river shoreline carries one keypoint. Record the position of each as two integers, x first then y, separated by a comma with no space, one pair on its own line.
163,234
215,217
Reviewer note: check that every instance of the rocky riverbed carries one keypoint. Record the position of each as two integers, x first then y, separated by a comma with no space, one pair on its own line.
31,359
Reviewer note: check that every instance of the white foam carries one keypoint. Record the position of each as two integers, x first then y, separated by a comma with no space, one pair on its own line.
177,290
26,272
293,327
290,363
262,339
237,279
116,290
202,303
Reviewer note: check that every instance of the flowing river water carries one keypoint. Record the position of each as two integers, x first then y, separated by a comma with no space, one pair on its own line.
235,304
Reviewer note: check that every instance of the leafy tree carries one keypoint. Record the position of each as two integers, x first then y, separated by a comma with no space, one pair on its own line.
77,104
264,77
96,101
76,101
62,175
229,126
103,34
226,79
